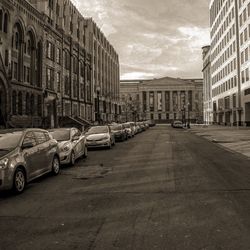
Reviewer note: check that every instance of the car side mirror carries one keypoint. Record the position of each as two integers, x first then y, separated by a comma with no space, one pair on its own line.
76,138
27,145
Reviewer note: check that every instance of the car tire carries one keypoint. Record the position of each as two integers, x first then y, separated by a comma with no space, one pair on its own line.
19,181
85,155
55,166
72,158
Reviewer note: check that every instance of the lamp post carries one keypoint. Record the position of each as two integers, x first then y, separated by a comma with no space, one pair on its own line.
98,104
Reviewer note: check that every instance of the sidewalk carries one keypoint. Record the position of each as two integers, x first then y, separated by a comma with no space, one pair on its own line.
233,138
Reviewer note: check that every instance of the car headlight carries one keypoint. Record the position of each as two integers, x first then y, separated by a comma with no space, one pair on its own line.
4,163
105,138
66,147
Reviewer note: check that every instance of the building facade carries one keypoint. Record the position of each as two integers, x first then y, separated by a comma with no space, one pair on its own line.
207,90
105,75
230,41
46,64
164,100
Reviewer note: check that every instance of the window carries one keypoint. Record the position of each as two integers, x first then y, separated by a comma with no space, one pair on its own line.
6,58
66,86
1,20
58,56
32,104
247,74
50,50
58,81
39,105
51,4
20,103
40,137
14,102
27,109
29,138
5,23
50,79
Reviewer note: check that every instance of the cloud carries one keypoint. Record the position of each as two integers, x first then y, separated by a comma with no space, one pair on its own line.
153,38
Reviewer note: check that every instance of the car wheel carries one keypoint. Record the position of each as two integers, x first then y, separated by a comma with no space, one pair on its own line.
19,181
72,158
85,155
55,166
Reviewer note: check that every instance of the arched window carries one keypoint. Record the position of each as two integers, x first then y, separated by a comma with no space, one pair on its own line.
1,19
5,23
17,42
27,108
29,47
14,102
20,103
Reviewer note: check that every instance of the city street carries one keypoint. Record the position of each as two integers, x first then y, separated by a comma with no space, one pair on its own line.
163,189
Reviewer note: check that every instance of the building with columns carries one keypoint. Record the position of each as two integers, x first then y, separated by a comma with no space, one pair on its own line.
164,100
207,86
47,60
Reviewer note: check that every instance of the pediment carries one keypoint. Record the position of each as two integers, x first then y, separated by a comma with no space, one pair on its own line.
166,81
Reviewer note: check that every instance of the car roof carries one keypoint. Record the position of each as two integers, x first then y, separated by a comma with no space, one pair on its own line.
20,130
57,129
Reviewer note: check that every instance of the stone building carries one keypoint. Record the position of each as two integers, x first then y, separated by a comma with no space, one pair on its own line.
105,75
164,100
46,66
230,57
207,86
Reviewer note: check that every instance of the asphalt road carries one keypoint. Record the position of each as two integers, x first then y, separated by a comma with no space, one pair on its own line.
164,189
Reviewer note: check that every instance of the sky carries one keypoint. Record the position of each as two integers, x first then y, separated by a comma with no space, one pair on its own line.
153,38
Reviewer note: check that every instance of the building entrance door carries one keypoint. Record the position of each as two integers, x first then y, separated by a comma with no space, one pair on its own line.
2,104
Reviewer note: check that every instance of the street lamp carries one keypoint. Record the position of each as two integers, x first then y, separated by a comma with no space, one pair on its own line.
98,89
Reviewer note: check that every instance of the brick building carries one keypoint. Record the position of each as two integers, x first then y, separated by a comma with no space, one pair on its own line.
46,64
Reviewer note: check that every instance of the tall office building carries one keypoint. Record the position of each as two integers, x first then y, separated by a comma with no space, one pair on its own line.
230,41
207,91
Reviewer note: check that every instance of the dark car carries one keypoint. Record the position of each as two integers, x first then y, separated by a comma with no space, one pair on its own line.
119,132
25,155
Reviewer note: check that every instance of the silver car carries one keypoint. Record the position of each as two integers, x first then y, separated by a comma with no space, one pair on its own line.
100,136
71,144
25,155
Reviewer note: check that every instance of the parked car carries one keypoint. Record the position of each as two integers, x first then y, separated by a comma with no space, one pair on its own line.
71,144
128,129
177,124
119,132
26,154
133,128
100,136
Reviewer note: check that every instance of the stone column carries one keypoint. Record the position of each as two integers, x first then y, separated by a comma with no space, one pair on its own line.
179,104
147,101
155,102
163,93
170,101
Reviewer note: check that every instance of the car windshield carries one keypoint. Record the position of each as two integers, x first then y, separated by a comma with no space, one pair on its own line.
116,127
97,130
178,122
61,134
127,125
10,141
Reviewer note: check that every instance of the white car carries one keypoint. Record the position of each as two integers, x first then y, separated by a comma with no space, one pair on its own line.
177,124
100,136
71,144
